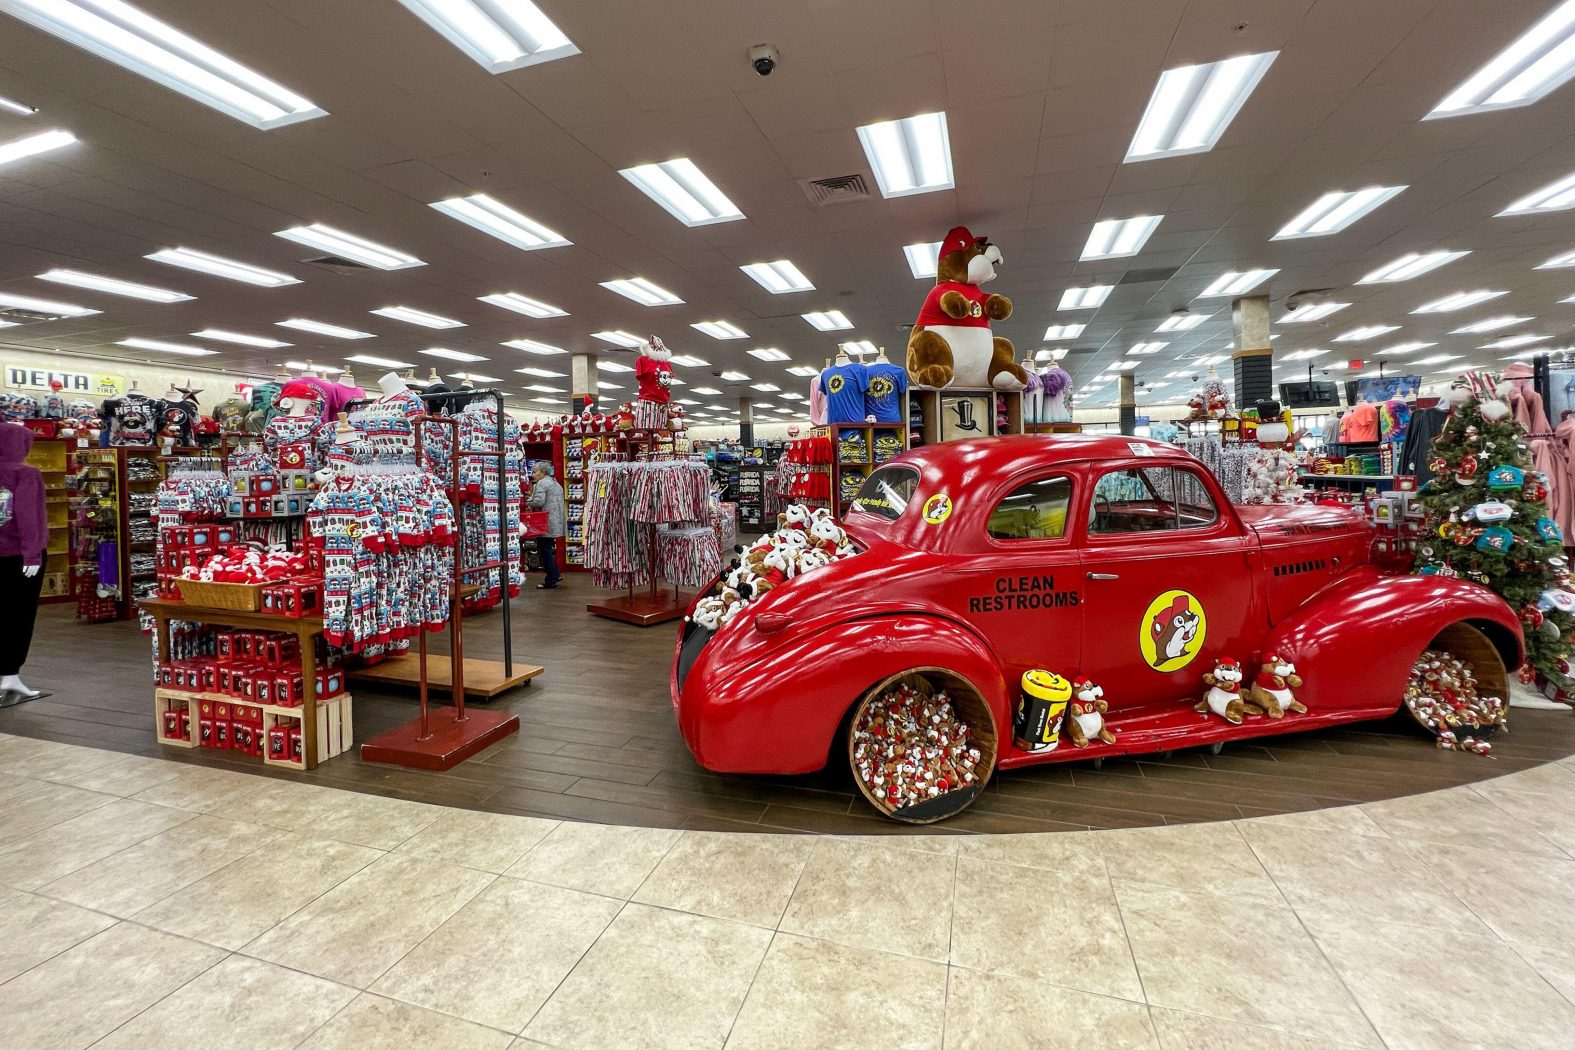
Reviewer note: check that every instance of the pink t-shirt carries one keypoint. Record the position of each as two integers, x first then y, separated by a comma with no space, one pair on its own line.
817,403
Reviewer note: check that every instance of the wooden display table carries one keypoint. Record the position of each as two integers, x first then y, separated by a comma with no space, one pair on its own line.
305,628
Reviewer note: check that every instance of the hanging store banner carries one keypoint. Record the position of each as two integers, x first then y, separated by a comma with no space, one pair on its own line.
78,384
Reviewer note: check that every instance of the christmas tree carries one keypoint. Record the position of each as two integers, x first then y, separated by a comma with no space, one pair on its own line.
1487,521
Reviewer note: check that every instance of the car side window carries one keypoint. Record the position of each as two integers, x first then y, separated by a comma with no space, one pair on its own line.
1150,499
1035,511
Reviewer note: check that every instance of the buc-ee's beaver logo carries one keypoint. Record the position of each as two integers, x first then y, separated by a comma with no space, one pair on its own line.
1172,631
880,387
834,384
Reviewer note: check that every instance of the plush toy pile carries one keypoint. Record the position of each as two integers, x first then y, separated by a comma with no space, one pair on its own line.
1210,401
909,748
243,564
805,540
1443,696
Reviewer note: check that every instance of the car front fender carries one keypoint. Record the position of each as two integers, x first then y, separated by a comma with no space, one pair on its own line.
1354,642
781,714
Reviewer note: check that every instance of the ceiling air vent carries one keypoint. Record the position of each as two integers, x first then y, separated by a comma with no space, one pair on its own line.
840,189
1157,274
336,264
18,316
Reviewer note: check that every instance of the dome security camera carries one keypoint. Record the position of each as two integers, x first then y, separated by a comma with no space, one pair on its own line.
764,58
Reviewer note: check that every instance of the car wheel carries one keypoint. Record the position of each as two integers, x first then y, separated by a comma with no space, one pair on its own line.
865,742
1216,747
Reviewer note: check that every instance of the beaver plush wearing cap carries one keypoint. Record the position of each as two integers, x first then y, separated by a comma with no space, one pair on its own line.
952,344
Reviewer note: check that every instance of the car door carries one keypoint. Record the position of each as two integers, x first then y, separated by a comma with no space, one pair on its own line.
1168,584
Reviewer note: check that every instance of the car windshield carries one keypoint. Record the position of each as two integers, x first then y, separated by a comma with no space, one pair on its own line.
887,492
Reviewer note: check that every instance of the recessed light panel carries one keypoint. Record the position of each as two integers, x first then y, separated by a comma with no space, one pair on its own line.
778,277
218,266
1119,238
922,258
1436,359
1145,349
311,366
1513,341
684,191
768,353
1121,366
1049,354
542,373
1333,212
223,336
1402,348
1064,331
734,377
1304,355
1559,262
410,315
1491,324
474,377
32,145
688,361
131,38
613,366
642,291
803,371
14,106
1534,64
1366,332
909,156
1555,196
531,346
523,304
349,246
1181,322
720,330
381,362
1411,265
44,306
1457,301
493,217
829,320
1193,105
1236,283
453,355
1313,312
859,348
113,286
1089,298
618,337
501,35
160,346
319,328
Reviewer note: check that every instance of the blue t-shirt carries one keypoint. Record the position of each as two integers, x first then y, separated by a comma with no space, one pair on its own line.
885,385
844,386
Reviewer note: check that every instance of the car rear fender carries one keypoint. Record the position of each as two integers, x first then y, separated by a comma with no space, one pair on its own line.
1354,642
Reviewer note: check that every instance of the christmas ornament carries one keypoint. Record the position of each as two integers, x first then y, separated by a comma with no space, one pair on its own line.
1471,431
1440,466
1549,628
1490,512
1560,599
1497,539
1466,473
1549,530
1531,616
1534,492
1526,674
1442,695
1506,477
1477,576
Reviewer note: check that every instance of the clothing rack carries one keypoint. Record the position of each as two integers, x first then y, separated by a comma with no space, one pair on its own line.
655,605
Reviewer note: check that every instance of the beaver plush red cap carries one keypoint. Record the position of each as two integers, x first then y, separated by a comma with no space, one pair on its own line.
957,239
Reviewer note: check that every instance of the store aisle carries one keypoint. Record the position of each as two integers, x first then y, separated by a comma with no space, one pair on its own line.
146,903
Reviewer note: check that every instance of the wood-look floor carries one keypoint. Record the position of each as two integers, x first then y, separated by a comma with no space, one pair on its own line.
598,743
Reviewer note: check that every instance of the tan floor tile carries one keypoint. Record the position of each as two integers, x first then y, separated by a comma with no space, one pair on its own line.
372,1022
12,788
497,959
1557,967
1242,961
154,868
1391,968
1200,858
655,979
202,790
45,807
1074,854
1458,817
1180,1031
44,856
358,929
370,820
909,912
595,858
1554,778
278,804
240,1004
1551,815
995,1012
488,841
1378,876
33,929
1349,820
90,990
127,775
938,843
815,995
1507,891
746,878
246,899
17,749
59,763
529,1044
1025,923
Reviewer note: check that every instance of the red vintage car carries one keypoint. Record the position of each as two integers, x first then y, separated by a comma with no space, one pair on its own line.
1115,558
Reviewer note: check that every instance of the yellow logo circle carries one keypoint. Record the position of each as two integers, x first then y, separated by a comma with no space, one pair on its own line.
937,508
880,386
834,384
1172,631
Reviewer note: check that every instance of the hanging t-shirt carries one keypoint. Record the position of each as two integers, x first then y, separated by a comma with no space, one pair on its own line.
654,377
817,403
885,385
1361,423
844,386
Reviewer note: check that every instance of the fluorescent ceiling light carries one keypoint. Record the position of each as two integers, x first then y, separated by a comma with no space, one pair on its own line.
349,246
114,287
222,336
908,156
1533,65
618,337
218,266
33,145
1371,331
1064,331
642,291
778,277
531,346
1119,238
453,355
523,304
474,377
1436,359
1333,212
1213,359
319,328
1233,283
859,348
541,373
493,217
1180,322
1555,196
308,366
1304,355
1144,349
1051,354
1491,324
803,371
768,353
501,35
683,189
602,384
1403,348
1335,366
734,377
546,400
17,107
786,395
720,330
1457,301
381,362
167,348
543,388
1121,366
1559,262
1315,312
1193,105
828,320
1412,265
1089,298
410,315
1511,342
44,306
768,388
923,258
133,39
708,391
612,366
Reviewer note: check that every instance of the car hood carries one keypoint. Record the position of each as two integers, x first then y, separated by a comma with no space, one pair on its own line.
1276,523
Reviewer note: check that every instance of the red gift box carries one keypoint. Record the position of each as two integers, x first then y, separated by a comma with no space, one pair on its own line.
221,734
241,737
330,682
172,725
289,689
205,732
296,749
279,742
221,711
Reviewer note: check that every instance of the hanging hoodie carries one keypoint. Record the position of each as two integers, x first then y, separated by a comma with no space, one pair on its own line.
22,530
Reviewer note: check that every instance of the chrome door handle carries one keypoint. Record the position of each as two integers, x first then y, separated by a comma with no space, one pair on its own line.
1103,576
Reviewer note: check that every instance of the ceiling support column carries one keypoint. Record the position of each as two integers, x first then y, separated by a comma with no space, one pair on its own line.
1253,357
1127,402
746,421
582,382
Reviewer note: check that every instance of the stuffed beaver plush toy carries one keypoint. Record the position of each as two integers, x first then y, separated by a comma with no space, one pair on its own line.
952,344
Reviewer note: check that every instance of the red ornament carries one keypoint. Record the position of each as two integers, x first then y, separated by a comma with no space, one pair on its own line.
1531,616
1440,466
1527,674
1468,467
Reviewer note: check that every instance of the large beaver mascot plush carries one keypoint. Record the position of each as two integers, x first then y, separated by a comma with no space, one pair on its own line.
952,344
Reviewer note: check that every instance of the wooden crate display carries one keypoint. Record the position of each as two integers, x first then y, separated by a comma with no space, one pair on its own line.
210,721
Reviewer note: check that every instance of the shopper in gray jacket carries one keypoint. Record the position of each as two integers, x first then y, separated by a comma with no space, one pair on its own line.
546,494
